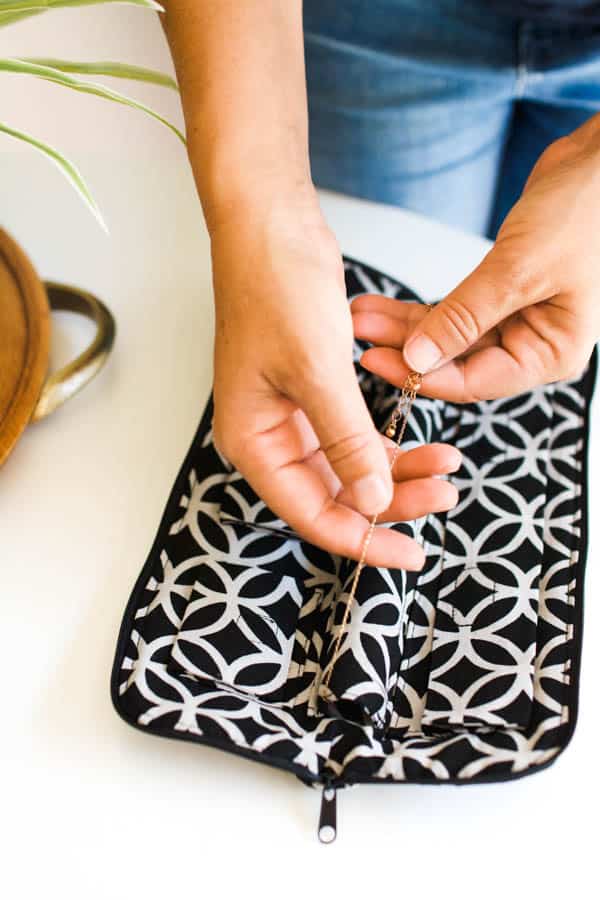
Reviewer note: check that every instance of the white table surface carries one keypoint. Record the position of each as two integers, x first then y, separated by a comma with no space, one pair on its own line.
91,807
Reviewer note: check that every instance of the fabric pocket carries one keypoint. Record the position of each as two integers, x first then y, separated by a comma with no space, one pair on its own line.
244,626
360,667
266,607
483,654
239,629
240,505
482,663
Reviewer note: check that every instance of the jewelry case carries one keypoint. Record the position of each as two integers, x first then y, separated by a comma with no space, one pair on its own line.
464,672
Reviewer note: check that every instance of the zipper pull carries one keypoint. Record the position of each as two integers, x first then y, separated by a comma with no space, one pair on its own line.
328,818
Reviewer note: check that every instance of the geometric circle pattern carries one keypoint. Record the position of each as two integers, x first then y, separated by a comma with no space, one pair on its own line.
464,671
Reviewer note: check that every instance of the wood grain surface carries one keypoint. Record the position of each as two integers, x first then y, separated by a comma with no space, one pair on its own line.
24,341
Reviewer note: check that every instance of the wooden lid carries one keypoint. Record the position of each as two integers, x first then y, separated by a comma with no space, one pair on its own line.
24,341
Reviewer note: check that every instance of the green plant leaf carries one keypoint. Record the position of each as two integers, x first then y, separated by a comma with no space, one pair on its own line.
21,66
15,10
42,5
114,69
66,167
7,18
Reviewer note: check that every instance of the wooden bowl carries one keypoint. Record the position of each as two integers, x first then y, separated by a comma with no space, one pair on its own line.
27,392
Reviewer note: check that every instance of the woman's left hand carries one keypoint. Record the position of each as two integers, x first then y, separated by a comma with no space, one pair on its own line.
530,312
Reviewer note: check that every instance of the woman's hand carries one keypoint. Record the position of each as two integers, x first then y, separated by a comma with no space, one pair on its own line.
529,314
289,413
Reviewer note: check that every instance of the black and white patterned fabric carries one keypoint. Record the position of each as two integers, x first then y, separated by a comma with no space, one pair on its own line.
466,671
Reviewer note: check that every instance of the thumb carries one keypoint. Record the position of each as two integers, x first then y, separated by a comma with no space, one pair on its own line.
338,413
476,305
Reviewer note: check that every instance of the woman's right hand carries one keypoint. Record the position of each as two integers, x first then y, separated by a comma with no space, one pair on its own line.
289,413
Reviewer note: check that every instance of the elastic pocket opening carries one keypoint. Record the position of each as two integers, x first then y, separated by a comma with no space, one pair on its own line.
240,505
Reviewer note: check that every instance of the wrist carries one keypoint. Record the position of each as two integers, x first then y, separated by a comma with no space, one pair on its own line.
245,187
281,204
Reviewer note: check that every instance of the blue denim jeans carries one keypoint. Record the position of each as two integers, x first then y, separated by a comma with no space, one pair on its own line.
440,106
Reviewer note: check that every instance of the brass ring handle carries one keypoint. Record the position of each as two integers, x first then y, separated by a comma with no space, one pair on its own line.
63,384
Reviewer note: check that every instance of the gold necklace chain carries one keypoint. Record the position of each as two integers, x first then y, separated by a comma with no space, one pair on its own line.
396,428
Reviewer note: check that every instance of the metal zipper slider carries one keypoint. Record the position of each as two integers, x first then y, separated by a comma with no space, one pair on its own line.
328,818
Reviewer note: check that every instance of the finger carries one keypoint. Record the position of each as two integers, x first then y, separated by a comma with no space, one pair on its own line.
458,381
384,329
337,411
297,494
499,286
380,328
465,380
417,497
411,465
426,461
296,440
526,357
423,461
410,311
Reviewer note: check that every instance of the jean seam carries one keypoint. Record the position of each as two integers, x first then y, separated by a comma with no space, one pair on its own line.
444,69
523,42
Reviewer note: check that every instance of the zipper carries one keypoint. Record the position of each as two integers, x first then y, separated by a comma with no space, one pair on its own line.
327,831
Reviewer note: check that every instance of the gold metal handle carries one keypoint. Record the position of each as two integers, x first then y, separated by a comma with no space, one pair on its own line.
66,382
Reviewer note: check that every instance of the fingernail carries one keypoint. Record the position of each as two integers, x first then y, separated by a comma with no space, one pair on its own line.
421,354
455,463
417,565
372,494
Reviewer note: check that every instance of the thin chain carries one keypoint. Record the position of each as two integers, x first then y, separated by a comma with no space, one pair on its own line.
397,424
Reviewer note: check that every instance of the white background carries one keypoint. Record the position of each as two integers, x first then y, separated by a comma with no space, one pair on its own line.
89,806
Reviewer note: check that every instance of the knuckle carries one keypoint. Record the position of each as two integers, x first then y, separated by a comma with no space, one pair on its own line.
309,371
461,323
348,447
300,370
518,279
545,362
